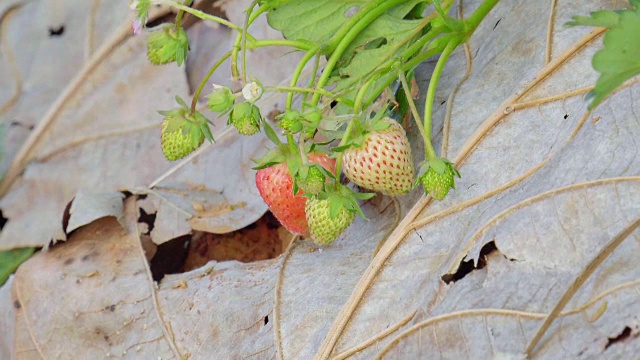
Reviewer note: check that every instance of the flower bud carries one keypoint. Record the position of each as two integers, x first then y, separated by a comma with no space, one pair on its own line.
252,91
221,99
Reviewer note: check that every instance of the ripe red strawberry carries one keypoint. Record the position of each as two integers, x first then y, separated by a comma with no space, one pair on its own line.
383,162
276,188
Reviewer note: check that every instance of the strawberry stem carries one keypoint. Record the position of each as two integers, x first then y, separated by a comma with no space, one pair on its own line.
431,94
296,74
371,13
179,17
344,140
196,95
198,13
244,36
299,90
412,105
472,22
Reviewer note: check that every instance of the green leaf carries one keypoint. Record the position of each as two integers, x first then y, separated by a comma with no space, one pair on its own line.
313,20
619,59
604,18
10,260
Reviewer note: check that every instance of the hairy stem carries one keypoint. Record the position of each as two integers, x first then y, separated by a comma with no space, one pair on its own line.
412,105
371,15
296,74
431,94
198,13
196,95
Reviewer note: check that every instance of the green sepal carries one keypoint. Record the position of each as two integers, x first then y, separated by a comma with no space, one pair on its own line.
167,45
142,9
275,156
271,134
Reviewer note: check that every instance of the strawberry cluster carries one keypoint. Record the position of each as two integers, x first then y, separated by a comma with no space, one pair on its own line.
300,177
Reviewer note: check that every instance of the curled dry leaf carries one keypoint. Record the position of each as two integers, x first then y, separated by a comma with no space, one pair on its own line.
545,186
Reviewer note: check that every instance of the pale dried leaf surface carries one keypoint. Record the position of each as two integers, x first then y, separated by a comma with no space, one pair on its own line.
545,182
88,206
100,140
28,87
100,255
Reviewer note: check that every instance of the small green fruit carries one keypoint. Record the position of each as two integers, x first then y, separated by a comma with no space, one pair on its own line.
221,99
313,183
246,118
177,143
323,228
167,45
438,179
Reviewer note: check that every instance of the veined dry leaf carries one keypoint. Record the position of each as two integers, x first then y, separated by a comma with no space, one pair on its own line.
101,138
36,36
546,187
7,320
87,207
104,129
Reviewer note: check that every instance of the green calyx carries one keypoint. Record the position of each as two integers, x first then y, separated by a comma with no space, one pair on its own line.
183,132
168,45
293,122
221,100
437,176
246,118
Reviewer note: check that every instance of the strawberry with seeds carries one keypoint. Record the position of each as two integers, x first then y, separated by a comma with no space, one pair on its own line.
276,188
381,160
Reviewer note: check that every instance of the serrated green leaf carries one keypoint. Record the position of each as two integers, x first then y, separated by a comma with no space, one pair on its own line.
313,20
619,59
10,260
604,18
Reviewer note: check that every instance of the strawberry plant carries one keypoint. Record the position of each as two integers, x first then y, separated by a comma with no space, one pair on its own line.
342,121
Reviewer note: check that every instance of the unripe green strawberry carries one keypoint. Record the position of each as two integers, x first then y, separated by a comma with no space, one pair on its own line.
383,162
289,121
221,99
323,228
313,183
246,118
177,144
437,184
183,131
167,45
